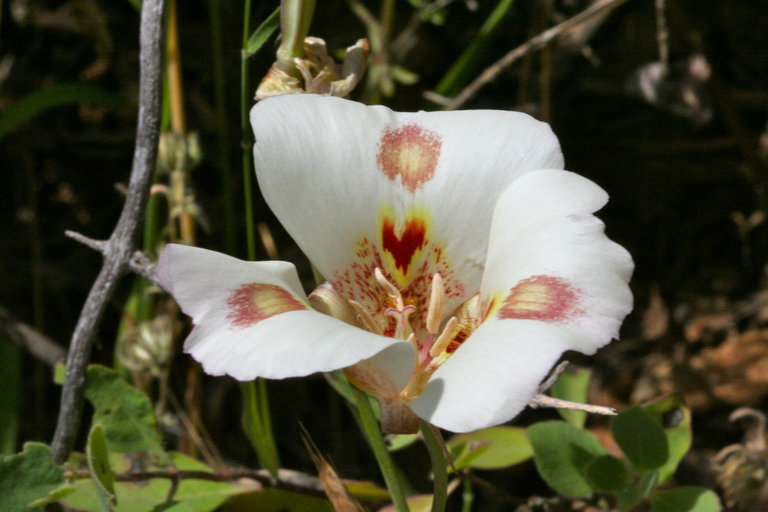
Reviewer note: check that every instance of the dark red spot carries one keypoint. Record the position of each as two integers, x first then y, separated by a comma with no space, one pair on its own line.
403,247
545,298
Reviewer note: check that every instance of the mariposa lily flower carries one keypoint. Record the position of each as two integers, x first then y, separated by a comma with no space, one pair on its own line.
461,261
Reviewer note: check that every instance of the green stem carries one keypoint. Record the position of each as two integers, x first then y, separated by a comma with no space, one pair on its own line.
247,137
295,18
372,431
256,417
467,496
439,467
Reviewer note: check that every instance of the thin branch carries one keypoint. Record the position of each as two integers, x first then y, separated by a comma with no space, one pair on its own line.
536,43
287,479
119,249
30,339
556,373
139,262
542,400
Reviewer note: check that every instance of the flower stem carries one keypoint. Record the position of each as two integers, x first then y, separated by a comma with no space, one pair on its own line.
256,417
439,466
373,435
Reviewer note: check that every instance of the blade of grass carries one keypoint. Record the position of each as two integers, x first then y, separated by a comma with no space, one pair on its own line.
51,96
458,75
262,34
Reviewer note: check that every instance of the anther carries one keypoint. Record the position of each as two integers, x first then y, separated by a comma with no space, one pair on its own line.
391,289
442,341
436,304
365,317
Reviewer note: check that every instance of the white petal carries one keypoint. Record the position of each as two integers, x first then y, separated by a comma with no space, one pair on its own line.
332,170
553,282
544,239
498,373
278,338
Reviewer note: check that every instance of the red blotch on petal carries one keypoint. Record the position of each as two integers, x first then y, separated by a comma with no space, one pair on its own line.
546,298
410,152
254,302
402,247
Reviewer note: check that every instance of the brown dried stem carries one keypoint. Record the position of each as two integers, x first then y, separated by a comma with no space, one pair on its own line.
119,250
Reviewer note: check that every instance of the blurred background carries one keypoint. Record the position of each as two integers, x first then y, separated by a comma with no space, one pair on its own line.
661,103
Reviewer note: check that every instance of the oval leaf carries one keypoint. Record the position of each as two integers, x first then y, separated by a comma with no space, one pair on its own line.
124,412
686,499
505,446
28,476
573,386
102,475
675,418
562,452
641,438
606,473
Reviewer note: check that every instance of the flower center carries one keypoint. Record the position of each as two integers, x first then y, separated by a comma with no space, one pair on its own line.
439,339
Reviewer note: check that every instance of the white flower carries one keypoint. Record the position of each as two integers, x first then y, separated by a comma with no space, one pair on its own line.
466,261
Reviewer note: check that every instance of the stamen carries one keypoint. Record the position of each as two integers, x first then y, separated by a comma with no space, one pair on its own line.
436,304
442,341
391,289
365,317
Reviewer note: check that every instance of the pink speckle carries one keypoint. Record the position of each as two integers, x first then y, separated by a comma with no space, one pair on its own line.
410,152
253,302
356,282
542,297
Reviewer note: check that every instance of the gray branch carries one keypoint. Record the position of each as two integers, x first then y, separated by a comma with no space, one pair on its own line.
119,249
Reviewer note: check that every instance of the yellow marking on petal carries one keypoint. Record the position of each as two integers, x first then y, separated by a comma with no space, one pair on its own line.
253,302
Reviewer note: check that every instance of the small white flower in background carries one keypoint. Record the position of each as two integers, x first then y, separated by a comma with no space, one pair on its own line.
461,261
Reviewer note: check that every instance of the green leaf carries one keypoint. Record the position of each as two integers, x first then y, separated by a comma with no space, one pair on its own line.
28,476
257,424
627,497
417,503
641,438
464,454
464,67
675,418
606,473
572,385
98,463
262,34
55,95
504,447
150,495
562,452
125,413
10,375
276,500
399,441
686,499
366,491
